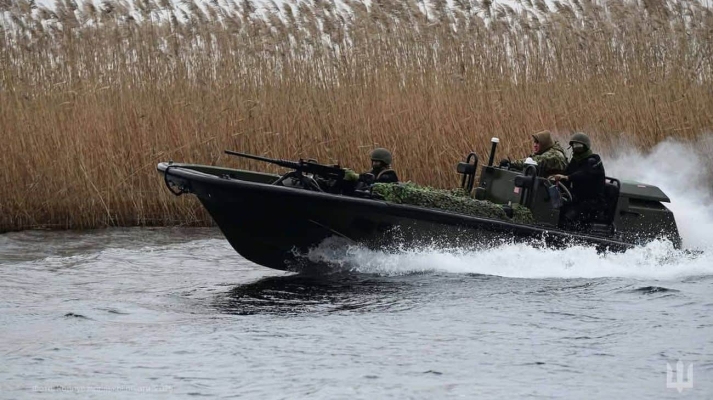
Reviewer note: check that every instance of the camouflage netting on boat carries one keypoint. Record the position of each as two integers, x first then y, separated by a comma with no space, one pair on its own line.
456,200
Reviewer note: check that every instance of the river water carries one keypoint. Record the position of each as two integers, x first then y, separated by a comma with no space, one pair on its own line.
178,312
175,312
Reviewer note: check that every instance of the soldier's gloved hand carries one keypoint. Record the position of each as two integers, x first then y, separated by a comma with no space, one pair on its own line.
350,175
367,178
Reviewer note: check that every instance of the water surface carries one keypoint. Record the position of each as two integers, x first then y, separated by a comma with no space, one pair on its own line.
176,312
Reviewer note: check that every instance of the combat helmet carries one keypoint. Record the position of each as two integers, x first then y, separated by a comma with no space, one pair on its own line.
381,154
580,137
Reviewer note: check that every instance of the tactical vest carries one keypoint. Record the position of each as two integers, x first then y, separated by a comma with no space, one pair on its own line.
382,173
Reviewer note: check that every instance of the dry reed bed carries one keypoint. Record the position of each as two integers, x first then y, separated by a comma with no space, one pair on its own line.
93,97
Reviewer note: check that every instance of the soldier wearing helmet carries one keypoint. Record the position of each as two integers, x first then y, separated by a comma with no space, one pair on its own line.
381,166
585,178
380,170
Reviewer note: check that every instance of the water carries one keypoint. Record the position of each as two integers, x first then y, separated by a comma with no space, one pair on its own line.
177,312
167,313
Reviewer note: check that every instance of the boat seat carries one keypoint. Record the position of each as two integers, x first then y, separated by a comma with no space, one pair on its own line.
604,218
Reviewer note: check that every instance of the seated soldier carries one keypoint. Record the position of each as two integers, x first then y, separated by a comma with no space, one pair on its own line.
381,166
381,171
585,179
548,154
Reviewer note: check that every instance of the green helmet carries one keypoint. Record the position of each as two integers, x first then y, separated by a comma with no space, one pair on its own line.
580,137
382,155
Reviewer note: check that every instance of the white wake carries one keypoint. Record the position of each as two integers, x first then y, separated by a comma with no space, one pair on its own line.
657,260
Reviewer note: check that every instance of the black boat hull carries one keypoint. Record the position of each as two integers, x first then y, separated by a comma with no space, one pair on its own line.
275,226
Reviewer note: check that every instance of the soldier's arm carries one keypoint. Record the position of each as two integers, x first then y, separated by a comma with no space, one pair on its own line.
539,159
591,167
517,164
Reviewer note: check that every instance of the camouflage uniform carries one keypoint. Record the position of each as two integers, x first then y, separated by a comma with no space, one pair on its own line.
551,158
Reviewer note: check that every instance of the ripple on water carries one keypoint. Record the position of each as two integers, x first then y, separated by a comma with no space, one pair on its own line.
298,294
137,308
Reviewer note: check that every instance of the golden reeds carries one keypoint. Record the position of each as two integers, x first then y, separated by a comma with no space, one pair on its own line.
94,95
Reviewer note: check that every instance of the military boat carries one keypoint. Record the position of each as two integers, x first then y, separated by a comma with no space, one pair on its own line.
275,219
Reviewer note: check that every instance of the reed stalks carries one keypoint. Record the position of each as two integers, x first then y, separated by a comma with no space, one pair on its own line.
93,96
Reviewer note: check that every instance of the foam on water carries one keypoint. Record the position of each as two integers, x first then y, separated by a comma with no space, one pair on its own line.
657,260
681,170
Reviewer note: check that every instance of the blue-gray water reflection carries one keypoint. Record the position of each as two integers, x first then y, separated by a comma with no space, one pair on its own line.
175,311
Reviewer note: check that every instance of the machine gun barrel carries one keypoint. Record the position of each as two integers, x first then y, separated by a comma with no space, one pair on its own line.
309,167
281,163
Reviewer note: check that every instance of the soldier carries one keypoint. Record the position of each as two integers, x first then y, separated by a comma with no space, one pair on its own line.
548,154
585,178
380,170
381,166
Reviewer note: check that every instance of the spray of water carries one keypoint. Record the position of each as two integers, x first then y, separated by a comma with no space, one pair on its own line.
684,171
657,260
681,170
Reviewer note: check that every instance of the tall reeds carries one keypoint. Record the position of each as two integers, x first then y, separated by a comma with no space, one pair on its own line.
93,96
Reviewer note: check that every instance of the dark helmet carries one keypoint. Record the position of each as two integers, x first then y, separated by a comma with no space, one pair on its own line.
382,155
580,137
